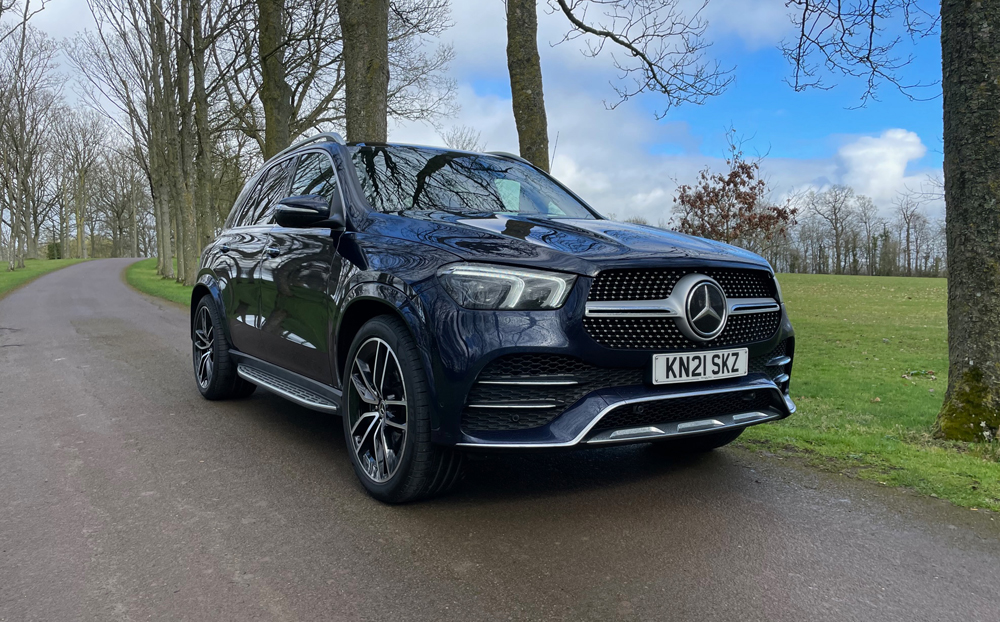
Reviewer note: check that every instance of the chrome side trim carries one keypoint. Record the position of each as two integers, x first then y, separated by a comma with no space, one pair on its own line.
763,385
531,383
747,417
696,426
285,389
636,432
780,360
781,378
515,405
688,428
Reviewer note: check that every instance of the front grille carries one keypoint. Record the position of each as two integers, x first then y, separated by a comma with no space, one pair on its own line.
653,333
658,333
657,283
536,367
686,409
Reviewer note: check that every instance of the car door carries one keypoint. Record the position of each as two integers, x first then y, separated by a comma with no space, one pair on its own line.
244,245
295,272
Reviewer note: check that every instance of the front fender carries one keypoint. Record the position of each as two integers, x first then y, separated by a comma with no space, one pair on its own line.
367,299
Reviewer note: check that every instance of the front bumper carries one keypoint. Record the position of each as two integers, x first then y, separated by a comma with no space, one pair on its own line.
465,343
581,424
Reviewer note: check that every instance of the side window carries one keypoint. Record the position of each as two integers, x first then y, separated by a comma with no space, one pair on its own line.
314,175
270,191
244,204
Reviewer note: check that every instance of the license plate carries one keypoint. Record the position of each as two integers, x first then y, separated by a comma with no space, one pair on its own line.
699,366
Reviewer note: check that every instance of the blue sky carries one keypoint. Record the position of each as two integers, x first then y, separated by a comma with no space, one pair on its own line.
626,162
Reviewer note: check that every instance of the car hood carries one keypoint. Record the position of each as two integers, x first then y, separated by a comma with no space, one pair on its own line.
582,246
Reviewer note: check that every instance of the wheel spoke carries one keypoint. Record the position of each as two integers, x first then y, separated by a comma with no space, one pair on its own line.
366,396
201,367
393,424
363,416
366,377
361,442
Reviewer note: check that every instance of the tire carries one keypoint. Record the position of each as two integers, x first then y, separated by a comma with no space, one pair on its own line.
698,444
386,408
214,368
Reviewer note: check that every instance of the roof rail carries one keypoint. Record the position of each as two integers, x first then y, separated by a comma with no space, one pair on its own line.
333,137
506,154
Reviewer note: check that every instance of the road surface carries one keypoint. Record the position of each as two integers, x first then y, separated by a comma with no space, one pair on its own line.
125,496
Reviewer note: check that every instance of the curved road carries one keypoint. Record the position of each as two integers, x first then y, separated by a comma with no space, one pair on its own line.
125,496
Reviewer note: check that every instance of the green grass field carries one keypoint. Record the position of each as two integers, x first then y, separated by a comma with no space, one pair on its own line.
33,268
871,363
142,276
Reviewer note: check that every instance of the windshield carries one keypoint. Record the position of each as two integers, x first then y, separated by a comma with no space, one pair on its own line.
398,179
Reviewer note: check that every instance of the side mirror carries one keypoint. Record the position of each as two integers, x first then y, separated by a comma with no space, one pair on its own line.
309,210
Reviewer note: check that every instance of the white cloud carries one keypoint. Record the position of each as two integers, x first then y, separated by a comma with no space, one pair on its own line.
758,23
876,165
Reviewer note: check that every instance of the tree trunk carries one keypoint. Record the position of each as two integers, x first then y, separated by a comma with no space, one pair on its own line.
525,71
970,47
365,27
78,201
275,94
204,211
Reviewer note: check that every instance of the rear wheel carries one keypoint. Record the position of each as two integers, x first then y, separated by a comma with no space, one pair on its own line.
698,444
214,368
387,417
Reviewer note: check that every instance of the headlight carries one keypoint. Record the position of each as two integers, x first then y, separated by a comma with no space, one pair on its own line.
777,286
480,286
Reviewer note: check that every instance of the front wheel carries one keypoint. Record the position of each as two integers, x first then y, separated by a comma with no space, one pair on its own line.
387,417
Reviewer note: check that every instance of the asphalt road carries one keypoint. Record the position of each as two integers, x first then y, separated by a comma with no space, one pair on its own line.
125,496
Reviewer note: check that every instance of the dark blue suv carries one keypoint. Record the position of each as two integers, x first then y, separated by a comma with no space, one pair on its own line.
446,301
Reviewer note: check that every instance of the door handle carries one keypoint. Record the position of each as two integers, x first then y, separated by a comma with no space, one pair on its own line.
273,251
224,248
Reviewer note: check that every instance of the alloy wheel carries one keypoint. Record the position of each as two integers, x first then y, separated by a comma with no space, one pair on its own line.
204,347
377,410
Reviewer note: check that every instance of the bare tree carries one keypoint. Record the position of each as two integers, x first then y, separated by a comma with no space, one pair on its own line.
907,214
868,217
654,44
463,137
30,92
835,207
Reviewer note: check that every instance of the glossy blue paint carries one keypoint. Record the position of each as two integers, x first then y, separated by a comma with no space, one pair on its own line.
286,294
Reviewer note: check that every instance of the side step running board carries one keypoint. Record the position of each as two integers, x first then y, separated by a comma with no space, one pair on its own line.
286,389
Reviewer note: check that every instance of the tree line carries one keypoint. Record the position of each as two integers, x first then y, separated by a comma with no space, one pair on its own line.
177,102
190,96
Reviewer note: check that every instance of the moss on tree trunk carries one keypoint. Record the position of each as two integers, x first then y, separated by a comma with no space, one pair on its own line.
970,51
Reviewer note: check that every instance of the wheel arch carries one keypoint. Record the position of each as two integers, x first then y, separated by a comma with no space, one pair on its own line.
208,285
366,301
